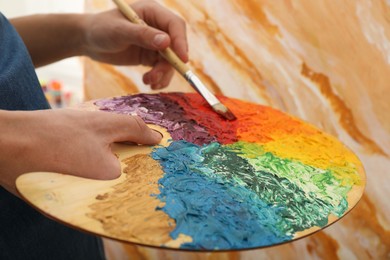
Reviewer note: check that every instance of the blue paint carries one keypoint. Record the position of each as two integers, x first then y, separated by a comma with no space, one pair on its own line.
215,213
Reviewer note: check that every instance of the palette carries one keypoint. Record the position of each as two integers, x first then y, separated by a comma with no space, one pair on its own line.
265,179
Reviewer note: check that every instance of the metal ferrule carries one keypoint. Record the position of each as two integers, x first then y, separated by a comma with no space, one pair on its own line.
201,88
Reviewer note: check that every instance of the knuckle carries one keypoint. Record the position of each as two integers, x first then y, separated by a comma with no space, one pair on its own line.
141,33
151,3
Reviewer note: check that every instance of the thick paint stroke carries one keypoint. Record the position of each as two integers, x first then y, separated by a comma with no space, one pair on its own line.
215,213
248,183
323,184
199,124
301,209
187,167
199,111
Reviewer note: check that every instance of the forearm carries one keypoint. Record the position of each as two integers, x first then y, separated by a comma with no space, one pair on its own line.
12,148
51,37
108,37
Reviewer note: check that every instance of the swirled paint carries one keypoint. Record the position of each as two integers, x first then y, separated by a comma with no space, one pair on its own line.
253,182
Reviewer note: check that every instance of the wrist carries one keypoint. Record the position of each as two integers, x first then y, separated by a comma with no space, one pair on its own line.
13,148
82,28
75,33
52,37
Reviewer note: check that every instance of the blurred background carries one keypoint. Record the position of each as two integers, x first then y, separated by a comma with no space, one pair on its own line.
326,63
65,77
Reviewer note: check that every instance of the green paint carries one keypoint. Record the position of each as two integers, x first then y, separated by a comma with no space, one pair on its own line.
322,184
295,188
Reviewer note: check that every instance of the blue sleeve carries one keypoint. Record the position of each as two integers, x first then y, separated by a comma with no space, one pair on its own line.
19,85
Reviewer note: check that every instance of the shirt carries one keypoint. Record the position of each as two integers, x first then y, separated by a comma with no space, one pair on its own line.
24,232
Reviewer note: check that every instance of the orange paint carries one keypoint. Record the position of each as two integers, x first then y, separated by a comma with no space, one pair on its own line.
255,124
346,116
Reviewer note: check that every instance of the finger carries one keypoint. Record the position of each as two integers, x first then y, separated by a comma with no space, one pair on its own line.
166,79
179,43
160,17
152,77
180,47
145,36
160,75
166,75
133,129
148,57
109,167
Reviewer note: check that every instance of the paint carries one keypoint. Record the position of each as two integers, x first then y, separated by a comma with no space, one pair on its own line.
215,213
114,209
182,122
257,181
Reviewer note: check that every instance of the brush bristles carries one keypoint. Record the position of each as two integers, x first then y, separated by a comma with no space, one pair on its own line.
224,111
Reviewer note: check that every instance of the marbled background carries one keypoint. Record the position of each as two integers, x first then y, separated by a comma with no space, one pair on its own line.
326,62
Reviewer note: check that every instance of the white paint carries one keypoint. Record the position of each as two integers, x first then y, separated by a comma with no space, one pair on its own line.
373,30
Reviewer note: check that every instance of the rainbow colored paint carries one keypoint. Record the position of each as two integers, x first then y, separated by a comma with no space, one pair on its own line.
253,182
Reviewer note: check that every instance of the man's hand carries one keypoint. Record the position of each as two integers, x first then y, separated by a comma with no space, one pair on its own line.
108,37
66,141
111,38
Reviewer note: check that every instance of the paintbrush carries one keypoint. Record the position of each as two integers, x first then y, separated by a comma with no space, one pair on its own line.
180,66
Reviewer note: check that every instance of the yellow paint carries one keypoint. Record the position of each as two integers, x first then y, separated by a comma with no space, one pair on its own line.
319,150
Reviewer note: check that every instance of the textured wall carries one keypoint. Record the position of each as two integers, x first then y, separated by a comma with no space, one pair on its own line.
326,63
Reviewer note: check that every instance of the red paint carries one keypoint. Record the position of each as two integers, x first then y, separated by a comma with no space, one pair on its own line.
199,110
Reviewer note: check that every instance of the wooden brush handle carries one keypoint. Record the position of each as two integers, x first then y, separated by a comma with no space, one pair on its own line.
168,53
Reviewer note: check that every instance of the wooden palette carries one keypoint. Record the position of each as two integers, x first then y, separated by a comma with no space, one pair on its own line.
293,180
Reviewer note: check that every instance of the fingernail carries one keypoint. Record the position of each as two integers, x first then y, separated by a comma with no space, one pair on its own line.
154,130
129,143
156,135
158,39
157,86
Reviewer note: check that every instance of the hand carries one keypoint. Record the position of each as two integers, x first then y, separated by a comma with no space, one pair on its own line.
66,141
111,38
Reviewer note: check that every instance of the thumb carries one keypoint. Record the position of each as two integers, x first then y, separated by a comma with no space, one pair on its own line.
147,37
133,129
